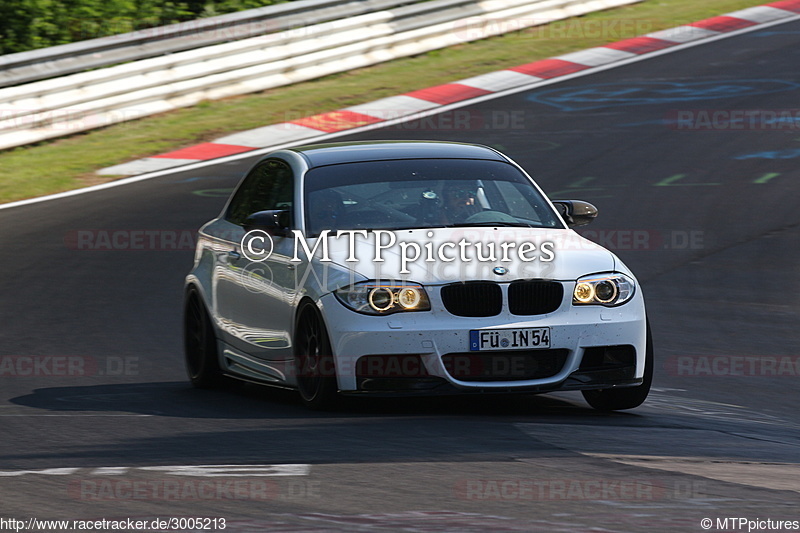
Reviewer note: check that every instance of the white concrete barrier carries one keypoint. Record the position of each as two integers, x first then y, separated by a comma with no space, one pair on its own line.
52,108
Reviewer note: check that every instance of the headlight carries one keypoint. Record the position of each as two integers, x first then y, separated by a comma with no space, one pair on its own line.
384,298
603,289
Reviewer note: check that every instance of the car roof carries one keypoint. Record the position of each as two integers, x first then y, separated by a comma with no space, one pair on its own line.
349,152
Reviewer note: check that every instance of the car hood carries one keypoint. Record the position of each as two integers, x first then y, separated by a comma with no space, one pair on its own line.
559,254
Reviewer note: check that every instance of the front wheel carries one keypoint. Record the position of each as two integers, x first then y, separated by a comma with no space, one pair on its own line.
200,344
629,397
313,360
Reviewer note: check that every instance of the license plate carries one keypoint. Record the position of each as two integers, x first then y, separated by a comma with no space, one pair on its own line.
481,340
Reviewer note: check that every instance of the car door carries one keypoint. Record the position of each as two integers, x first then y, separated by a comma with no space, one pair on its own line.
254,298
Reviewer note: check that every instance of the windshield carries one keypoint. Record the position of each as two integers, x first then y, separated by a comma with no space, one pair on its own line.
422,193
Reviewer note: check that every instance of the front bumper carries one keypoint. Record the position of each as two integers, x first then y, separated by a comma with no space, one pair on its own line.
580,336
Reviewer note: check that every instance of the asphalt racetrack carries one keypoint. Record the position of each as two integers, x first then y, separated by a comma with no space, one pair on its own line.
97,419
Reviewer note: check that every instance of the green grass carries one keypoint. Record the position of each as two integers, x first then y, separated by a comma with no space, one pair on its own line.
70,162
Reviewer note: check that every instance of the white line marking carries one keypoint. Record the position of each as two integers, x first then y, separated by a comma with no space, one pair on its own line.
233,470
148,164
211,162
179,470
283,132
393,106
594,57
683,34
45,472
109,471
500,80
758,14
69,415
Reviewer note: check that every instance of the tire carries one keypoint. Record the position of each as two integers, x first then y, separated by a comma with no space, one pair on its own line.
628,397
313,360
200,344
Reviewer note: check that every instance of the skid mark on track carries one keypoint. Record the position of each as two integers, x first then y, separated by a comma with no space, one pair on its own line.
779,476
714,410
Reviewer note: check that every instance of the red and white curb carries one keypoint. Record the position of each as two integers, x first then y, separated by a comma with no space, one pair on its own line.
425,100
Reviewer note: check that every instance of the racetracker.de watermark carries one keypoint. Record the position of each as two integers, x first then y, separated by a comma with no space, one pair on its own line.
733,366
733,119
130,239
456,120
244,487
453,120
63,120
167,240
527,490
642,239
192,523
59,366
474,28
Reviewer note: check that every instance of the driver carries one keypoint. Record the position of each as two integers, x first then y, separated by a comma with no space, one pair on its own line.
458,204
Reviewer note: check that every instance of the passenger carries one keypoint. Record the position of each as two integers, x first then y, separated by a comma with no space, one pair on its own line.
325,210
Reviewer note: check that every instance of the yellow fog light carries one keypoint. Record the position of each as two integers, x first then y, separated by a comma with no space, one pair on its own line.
584,292
409,298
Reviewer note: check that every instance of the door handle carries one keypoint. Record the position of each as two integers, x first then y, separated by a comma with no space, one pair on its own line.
233,254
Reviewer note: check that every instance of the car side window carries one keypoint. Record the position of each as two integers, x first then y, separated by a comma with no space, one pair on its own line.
270,185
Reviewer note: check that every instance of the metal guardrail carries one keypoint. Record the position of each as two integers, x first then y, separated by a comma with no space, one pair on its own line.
69,58
51,108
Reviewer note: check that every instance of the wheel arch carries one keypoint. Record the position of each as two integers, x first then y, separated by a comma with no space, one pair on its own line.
317,304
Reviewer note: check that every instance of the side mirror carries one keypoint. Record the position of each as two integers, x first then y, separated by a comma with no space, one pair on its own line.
576,212
276,222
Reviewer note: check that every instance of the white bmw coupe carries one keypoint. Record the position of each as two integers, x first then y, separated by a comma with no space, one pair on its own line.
405,267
